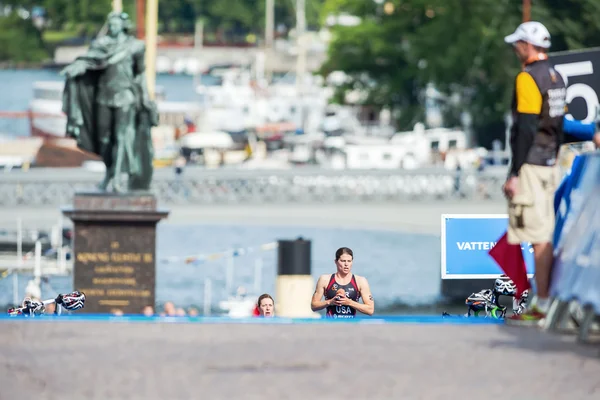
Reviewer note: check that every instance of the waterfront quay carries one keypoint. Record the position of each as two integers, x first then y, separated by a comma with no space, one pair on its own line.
410,201
415,217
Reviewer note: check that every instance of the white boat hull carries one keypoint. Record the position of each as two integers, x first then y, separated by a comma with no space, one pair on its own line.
238,308
47,119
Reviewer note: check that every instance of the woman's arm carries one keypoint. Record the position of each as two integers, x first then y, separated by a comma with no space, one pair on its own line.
365,292
317,304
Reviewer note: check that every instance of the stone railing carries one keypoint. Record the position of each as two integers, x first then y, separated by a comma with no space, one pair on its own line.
233,186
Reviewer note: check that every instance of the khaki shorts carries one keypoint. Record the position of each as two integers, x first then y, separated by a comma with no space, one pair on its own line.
531,210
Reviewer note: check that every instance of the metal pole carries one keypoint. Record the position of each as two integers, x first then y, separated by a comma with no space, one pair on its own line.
300,31
37,266
54,236
229,275
207,296
269,35
151,42
198,43
59,244
15,282
117,5
269,23
257,275
526,10
259,69
19,241
15,279
301,61
140,16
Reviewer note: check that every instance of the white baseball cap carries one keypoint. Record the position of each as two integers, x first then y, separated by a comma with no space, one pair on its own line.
531,32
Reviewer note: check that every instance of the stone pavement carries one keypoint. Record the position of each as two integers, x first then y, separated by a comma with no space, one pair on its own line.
414,217
172,361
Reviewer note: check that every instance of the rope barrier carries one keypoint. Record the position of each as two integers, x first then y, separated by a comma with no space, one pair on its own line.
5,273
29,114
238,252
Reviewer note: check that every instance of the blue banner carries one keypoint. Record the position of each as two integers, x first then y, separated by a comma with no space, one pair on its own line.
576,272
466,242
576,188
563,200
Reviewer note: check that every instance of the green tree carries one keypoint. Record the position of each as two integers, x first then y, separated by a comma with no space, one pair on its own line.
178,16
574,24
84,16
465,50
20,41
376,57
462,51
455,44
233,17
285,13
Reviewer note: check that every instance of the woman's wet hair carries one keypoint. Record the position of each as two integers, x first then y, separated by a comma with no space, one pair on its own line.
264,296
343,250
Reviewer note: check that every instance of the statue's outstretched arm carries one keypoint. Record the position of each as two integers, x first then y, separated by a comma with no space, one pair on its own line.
80,66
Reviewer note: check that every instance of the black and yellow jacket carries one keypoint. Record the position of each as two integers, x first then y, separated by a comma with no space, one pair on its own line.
539,104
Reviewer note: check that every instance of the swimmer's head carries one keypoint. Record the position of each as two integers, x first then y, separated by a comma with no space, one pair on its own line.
266,305
343,260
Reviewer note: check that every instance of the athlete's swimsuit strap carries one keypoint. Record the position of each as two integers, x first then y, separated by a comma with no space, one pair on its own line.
332,281
354,283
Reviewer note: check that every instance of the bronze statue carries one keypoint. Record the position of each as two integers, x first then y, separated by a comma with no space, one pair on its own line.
107,105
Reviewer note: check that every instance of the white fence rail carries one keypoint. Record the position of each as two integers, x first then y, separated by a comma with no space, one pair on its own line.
300,185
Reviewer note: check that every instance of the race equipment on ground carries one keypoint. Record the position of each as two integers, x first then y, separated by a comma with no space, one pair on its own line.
520,305
504,286
31,308
485,301
71,301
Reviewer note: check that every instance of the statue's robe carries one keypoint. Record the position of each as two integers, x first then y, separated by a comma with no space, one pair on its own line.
80,105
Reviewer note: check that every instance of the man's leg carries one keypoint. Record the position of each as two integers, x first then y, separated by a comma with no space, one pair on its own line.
544,251
538,184
543,255
104,130
125,130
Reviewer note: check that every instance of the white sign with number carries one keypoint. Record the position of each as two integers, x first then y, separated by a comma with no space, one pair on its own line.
582,90
582,80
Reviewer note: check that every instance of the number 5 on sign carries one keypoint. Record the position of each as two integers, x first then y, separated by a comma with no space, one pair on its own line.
582,90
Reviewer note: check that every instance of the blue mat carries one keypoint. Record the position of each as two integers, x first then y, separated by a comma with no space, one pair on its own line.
404,319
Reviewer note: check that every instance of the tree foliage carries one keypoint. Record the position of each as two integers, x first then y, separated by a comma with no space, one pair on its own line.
228,20
236,16
376,56
17,34
455,44
399,47
176,16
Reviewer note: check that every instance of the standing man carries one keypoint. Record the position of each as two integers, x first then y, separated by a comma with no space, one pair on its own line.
343,290
538,108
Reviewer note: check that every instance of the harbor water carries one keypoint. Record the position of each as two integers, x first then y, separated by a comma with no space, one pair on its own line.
403,269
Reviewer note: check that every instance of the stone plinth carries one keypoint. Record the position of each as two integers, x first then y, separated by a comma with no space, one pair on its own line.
114,250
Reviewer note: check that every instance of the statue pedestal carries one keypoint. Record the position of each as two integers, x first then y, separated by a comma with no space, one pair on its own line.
114,250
